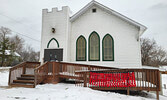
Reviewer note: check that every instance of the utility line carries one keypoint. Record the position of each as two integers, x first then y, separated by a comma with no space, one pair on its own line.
26,36
18,32
16,21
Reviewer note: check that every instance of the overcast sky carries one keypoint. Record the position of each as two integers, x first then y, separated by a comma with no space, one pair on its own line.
24,16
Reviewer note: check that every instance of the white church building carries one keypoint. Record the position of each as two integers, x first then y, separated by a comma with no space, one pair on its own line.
95,35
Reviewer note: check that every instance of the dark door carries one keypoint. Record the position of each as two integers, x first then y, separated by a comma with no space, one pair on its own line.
53,55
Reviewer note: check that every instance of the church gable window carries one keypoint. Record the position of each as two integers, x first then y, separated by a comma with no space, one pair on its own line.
94,10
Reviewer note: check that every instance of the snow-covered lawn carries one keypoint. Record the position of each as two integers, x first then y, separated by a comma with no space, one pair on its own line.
4,74
164,81
62,91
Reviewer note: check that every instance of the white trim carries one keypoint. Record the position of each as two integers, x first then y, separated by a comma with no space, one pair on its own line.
142,28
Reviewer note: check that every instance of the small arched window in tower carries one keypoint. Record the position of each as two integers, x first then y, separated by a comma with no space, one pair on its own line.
108,48
81,49
53,43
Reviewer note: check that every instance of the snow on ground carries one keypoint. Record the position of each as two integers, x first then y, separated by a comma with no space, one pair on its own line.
164,82
4,68
163,68
62,91
4,74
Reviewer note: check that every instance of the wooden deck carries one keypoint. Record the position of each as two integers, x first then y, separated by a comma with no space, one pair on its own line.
30,74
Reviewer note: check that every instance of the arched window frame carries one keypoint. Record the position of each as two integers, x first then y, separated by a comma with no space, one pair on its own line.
94,32
53,39
85,49
112,47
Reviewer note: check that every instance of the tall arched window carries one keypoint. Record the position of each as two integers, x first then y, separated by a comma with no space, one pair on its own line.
108,48
81,49
94,47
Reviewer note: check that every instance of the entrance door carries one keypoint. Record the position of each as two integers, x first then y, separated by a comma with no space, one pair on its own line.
53,55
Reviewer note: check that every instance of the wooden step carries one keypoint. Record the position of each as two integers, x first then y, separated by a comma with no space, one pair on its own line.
25,78
22,85
27,75
24,81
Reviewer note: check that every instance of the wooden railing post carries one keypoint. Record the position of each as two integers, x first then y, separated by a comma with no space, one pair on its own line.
53,72
127,82
128,90
85,79
157,92
57,68
89,68
47,68
24,69
9,76
158,85
35,77
56,76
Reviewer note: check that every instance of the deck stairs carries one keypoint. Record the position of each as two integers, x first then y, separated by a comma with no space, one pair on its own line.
25,80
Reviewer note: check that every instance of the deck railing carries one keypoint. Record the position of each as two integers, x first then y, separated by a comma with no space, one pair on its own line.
23,68
147,79
70,69
55,70
143,79
139,79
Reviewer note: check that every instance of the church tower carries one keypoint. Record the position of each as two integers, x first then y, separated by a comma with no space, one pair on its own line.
55,33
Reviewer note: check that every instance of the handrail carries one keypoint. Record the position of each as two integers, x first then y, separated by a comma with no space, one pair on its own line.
40,66
86,65
71,68
40,73
16,66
